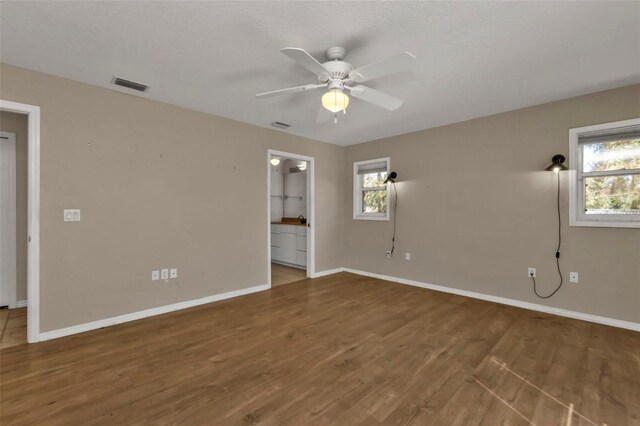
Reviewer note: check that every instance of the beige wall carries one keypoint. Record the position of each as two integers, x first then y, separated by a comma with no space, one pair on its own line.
162,186
476,209
17,123
158,186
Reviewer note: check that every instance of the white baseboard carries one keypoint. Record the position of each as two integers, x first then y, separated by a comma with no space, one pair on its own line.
81,328
21,304
327,272
502,300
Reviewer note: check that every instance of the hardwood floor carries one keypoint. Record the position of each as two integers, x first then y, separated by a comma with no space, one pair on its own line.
13,327
281,274
338,350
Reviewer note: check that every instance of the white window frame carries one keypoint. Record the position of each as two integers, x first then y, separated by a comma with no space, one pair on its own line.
577,215
357,191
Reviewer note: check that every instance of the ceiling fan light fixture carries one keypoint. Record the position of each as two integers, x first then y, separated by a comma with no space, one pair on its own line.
335,100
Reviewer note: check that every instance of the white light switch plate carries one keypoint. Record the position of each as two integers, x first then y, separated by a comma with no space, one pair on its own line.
155,275
164,274
173,273
72,215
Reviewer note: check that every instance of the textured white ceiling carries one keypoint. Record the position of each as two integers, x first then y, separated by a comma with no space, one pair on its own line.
474,58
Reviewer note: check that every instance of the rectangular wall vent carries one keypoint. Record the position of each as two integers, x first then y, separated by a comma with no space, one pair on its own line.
280,125
130,84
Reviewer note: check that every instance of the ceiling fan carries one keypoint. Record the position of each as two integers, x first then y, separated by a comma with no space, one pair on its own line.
339,76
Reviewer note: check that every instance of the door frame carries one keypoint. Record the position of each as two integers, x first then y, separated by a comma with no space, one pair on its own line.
33,212
8,250
311,210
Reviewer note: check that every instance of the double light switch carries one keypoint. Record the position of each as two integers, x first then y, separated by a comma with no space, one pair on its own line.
72,215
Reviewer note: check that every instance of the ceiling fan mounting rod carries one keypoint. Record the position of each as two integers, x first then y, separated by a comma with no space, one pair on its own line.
336,53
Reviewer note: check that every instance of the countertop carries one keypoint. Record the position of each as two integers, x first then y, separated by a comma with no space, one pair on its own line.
288,221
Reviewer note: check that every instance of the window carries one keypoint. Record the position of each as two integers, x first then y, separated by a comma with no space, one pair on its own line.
605,175
370,193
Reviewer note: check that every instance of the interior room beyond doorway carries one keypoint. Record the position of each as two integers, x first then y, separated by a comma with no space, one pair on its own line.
288,218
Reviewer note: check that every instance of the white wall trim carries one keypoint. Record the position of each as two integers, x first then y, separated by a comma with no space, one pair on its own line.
33,212
311,209
327,272
21,304
504,301
94,325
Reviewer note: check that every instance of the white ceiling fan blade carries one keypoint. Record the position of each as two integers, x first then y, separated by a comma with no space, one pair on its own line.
391,65
324,115
290,90
309,62
375,97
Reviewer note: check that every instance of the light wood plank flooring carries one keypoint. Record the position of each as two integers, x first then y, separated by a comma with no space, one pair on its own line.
13,327
281,274
338,350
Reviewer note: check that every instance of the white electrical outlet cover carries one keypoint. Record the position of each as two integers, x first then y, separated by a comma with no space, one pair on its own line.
573,277
173,273
407,256
531,272
155,275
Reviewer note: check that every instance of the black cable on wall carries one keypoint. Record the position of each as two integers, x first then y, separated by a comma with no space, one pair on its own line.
395,211
535,290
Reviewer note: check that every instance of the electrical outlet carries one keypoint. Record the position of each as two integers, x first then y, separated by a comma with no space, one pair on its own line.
407,256
388,254
155,275
531,272
173,273
164,274
573,277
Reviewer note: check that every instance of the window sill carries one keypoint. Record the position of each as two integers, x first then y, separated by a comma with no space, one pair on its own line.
364,217
604,223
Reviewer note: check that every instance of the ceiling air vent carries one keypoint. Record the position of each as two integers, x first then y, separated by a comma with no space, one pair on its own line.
130,84
280,125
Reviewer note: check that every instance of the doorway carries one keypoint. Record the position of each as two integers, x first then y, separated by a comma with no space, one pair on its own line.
25,314
13,223
291,236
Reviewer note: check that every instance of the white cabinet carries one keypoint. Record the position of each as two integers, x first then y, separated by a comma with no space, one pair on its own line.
288,248
289,244
301,243
301,258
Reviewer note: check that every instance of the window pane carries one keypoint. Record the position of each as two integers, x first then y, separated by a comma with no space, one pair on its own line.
615,155
373,180
374,201
613,195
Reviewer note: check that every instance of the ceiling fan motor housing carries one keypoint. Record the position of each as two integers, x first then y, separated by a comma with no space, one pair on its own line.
337,70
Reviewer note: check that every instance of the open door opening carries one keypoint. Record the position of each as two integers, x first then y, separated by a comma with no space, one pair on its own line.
13,229
290,192
25,315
